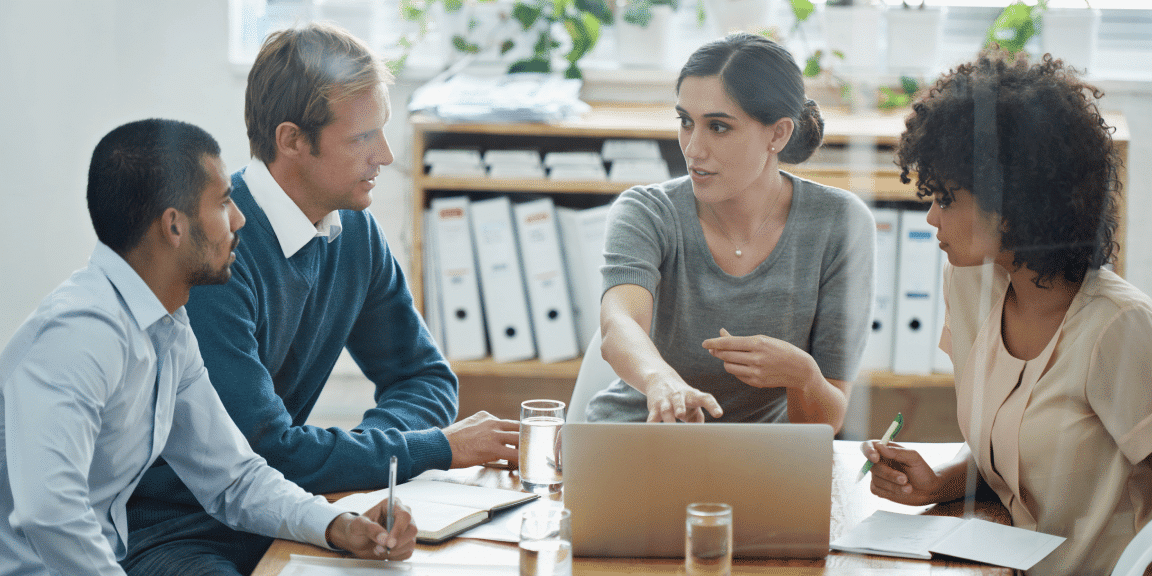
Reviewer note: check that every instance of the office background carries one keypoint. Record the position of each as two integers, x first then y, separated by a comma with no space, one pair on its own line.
72,70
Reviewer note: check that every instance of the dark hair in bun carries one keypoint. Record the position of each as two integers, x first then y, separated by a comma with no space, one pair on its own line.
763,79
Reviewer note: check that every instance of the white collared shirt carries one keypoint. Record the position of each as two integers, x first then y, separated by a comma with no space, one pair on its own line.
292,228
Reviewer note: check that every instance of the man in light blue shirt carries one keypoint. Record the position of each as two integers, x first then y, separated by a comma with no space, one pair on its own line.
106,376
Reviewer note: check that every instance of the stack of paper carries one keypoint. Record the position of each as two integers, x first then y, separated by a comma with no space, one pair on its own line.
634,160
454,162
575,166
514,163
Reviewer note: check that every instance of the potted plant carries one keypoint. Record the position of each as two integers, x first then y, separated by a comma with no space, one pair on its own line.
545,20
914,34
642,31
1015,26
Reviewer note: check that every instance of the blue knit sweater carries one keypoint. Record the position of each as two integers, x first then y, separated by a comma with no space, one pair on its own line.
270,338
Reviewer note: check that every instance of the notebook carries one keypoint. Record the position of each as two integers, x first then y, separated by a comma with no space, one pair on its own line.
442,510
627,486
919,536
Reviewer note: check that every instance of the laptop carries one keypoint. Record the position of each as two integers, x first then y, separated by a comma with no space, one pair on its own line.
627,486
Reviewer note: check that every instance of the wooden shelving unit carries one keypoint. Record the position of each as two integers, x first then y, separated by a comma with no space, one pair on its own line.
834,164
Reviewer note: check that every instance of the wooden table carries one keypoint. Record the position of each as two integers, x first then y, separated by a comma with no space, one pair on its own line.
851,503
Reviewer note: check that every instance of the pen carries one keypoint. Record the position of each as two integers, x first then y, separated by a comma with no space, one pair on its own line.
391,499
889,434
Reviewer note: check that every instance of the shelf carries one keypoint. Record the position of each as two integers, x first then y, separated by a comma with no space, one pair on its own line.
569,368
524,369
524,185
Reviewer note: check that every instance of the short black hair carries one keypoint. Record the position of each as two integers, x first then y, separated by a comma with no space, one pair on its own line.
141,169
761,77
1029,143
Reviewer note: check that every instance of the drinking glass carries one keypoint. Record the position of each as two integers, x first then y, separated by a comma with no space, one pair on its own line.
708,540
546,542
540,466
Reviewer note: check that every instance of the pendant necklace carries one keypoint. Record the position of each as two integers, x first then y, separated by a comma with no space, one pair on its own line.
739,249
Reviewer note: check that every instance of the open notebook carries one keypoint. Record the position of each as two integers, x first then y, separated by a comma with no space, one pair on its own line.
919,536
442,510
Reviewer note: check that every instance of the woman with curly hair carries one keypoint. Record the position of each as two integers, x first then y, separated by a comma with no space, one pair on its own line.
1053,379
738,292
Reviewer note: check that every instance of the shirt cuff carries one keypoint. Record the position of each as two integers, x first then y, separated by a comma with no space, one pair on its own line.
429,450
317,520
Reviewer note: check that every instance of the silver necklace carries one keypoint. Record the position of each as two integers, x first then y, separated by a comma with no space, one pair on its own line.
739,249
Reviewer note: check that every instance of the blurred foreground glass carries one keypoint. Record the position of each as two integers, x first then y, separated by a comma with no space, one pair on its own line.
708,540
546,542
540,467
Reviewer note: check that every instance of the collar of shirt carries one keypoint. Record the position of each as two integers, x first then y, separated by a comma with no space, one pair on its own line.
292,228
139,299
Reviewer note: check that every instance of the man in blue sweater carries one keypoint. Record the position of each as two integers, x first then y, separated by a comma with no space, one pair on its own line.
313,275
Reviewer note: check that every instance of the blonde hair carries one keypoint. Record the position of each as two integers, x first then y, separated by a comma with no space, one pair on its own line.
296,77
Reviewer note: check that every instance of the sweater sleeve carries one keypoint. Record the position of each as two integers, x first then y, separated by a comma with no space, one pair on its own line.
413,398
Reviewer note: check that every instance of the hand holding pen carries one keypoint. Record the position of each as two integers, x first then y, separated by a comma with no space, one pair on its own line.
889,434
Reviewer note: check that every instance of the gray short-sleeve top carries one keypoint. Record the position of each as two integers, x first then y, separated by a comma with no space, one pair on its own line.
814,290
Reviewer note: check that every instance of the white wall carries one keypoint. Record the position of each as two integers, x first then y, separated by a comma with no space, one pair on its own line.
70,71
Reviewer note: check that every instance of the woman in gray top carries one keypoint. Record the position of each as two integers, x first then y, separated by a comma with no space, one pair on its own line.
738,292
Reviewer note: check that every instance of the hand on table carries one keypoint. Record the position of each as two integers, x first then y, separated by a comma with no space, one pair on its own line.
901,475
482,438
366,537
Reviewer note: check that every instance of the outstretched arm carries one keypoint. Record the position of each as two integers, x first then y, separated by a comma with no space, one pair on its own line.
625,319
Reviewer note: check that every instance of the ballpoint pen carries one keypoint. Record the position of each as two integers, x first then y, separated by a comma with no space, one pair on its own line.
889,434
391,499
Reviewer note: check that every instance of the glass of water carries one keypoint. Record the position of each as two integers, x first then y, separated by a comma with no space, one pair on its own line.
708,540
546,542
540,467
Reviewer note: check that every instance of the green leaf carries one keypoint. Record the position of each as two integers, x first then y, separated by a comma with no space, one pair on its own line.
638,13
530,65
597,8
463,45
909,85
802,9
453,5
1015,25
526,15
573,72
544,45
505,46
812,65
397,65
410,11
585,32
700,14
838,53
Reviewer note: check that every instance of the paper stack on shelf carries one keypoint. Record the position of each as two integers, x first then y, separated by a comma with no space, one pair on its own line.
634,160
524,163
575,166
454,162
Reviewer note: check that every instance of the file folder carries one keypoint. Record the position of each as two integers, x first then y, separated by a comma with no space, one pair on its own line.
459,288
941,361
549,302
917,292
582,232
878,351
501,280
431,275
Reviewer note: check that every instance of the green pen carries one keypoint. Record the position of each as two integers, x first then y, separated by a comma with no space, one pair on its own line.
893,429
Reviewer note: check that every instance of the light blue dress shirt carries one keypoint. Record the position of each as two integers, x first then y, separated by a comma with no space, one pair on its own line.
95,385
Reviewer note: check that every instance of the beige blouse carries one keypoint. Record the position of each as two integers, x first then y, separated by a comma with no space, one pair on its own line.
1063,438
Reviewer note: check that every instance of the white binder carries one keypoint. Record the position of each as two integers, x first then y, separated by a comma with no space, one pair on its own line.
582,232
878,351
459,289
918,291
501,280
431,275
549,303
941,361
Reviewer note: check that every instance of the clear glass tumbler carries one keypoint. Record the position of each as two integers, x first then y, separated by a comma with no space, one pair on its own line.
546,542
540,466
708,540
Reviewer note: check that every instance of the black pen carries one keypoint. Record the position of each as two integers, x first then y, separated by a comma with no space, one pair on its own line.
391,501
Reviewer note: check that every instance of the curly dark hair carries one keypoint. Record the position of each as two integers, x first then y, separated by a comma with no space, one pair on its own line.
1047,165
